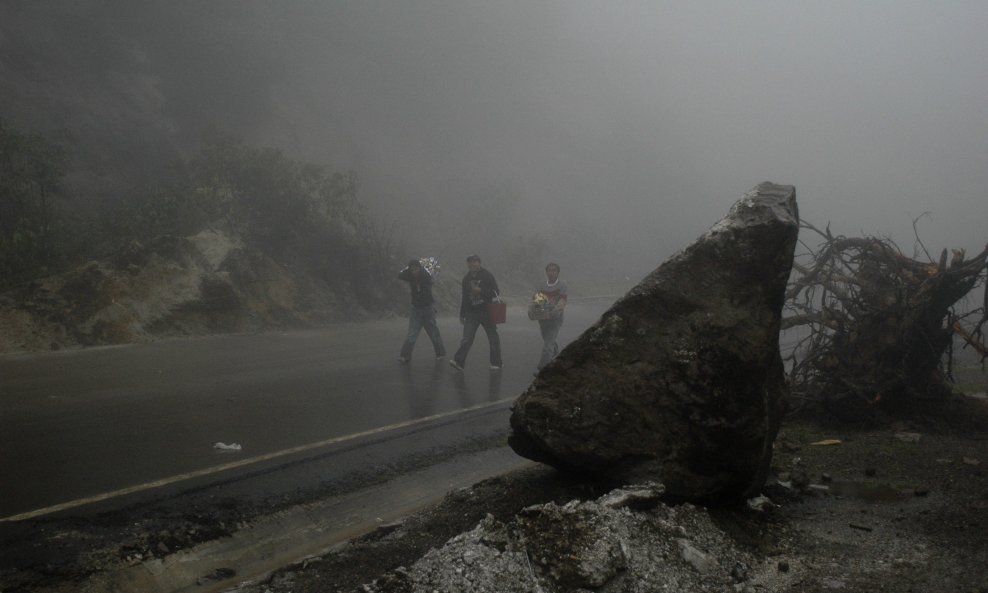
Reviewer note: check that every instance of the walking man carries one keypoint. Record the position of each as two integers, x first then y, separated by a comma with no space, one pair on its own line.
479,290
554,291
423,314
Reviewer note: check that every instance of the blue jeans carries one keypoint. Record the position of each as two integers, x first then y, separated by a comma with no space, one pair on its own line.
422,317
470,324
550,330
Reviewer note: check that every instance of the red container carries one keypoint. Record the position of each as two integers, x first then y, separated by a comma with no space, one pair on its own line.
498,312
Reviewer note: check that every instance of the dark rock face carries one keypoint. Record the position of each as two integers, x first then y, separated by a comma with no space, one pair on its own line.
681,381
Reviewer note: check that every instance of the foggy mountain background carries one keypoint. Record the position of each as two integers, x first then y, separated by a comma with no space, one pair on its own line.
615,132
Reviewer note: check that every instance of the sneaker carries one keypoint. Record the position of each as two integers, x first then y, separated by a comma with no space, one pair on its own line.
495,367
455,365
402,360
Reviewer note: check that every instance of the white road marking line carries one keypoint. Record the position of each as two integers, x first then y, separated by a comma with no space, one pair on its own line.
235,464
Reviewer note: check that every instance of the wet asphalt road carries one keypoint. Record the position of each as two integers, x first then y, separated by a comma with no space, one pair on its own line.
80,424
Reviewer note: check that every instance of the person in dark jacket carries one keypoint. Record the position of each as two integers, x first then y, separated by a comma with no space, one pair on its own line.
479,290
423,313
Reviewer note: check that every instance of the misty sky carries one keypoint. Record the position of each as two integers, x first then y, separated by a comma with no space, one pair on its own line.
651,118
620,130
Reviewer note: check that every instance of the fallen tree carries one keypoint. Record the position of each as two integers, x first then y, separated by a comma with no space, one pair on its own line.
875,327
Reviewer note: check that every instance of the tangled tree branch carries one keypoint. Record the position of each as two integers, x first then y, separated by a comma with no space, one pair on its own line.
873,325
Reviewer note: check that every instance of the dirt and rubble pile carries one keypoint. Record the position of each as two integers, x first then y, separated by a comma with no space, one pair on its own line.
626,540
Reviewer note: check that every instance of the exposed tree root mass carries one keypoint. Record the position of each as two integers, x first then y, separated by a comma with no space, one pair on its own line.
876,326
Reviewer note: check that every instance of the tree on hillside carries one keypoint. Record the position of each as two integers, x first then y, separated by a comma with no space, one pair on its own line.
31,171
301,214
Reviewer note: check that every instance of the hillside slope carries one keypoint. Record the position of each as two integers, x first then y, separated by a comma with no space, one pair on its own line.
173,286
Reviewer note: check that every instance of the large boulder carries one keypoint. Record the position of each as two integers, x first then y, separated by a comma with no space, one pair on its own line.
681,381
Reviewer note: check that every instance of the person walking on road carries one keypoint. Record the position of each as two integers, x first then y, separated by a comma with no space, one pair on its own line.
479,290
423,313
554,294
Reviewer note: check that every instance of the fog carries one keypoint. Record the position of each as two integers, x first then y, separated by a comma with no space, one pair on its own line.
636,125
617,131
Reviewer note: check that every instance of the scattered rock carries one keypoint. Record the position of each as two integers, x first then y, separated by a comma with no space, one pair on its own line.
799,476
702,562
220,574
908,437
760,503
740,572
637,497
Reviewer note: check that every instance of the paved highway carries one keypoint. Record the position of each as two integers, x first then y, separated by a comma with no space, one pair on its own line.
89,426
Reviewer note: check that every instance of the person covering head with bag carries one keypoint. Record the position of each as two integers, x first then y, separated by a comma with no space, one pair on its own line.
479,289
423,313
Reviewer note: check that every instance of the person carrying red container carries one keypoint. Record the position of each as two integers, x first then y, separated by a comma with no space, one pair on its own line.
479,290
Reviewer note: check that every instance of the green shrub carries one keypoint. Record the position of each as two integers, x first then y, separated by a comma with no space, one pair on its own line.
305,215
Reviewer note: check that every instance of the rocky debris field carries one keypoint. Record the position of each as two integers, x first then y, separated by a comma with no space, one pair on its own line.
898,508
901,508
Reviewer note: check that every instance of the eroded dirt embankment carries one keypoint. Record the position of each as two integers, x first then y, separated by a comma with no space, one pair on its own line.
172,286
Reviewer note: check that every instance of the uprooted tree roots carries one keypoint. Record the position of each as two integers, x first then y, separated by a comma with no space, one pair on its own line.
875,327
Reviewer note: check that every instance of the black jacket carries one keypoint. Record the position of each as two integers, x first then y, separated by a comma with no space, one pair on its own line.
488,290
421,287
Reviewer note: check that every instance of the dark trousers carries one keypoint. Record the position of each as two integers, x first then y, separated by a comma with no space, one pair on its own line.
470,324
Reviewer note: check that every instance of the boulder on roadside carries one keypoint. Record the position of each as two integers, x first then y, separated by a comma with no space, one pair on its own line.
681,381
